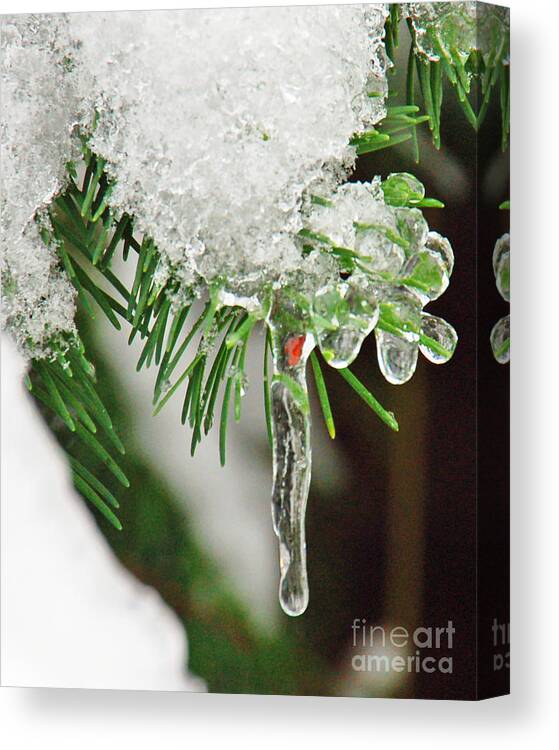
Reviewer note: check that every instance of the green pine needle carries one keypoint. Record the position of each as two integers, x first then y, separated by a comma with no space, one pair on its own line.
266,383
223,422
56,399
98,486
89,493
102,453
177,385
323,396
386,416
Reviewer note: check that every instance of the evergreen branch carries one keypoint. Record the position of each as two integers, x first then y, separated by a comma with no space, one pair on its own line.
64,385
88,236
491,69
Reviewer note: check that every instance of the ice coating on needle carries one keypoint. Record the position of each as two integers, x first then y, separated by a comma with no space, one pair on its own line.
399,266
500,340
439,27
455,29
438,339
343,316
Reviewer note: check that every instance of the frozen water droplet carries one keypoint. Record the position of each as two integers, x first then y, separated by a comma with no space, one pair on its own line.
502,246
401,187
426,273
501,266
503,277
413,228
443,339
397,357
383,255
439,245
343,316
400,312
291,458
397,334
500,340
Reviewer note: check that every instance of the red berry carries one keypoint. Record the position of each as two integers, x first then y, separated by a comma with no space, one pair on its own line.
294,348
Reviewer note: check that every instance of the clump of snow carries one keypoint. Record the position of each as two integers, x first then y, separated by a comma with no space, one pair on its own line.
216,122
72,616
38,104
214,125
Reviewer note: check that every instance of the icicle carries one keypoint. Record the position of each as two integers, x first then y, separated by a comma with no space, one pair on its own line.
397,357
292,461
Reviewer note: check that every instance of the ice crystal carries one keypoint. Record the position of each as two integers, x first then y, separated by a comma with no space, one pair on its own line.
400,266
501,266
500,340
342,317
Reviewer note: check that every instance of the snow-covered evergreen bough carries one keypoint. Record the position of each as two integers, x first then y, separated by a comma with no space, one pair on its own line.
213,150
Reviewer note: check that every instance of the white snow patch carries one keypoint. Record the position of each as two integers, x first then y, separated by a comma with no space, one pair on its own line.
72,616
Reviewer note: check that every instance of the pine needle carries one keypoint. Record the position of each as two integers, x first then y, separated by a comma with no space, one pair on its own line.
323,396
386,416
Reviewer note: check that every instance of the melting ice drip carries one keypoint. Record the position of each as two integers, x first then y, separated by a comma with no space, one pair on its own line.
291,442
